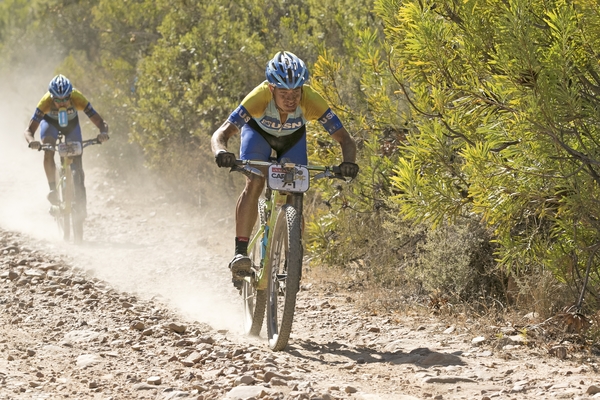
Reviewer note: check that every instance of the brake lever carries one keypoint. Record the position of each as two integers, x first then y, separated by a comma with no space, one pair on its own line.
328,173
247,170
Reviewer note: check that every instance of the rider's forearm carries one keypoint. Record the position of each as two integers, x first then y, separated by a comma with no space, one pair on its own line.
100,123
347,144
30,131
349,151
220,138
218,144
103,127
29,136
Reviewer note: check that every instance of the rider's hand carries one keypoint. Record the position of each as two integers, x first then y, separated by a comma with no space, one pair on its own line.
349,169
35,145
102,137
225,159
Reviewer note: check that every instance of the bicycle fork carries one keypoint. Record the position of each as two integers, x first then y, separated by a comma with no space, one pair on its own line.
266,237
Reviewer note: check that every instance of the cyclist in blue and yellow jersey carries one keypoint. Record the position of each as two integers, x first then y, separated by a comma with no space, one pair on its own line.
62,100
273,116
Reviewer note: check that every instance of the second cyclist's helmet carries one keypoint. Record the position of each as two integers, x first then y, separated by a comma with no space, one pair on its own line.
286,71
60,87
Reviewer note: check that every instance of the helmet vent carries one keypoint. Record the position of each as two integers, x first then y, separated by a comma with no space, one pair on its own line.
286,71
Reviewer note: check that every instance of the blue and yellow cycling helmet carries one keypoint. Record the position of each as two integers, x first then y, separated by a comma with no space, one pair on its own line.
60,87
286,71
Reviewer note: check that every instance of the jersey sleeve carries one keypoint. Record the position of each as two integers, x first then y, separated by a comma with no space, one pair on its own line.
312,103
43,107
330,121
257,100
315,107
239,117
80,103
252,106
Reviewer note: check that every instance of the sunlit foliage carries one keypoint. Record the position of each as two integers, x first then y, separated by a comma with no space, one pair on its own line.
505,123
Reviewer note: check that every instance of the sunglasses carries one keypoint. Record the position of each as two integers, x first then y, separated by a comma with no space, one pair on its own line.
61,100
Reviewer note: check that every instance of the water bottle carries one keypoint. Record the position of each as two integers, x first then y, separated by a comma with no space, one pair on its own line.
63,119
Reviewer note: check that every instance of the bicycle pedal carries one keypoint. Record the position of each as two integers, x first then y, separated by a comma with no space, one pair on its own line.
241,267
240,275
238,283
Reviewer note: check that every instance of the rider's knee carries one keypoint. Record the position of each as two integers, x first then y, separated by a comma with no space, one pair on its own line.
255,184
49,157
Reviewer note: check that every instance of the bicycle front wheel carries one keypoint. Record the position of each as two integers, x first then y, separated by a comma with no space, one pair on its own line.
255,300
63,214
78,206
285,266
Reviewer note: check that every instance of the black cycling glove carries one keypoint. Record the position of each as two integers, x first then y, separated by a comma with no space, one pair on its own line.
348,169
225,159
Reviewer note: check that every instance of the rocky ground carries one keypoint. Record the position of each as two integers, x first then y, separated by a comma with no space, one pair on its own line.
144,310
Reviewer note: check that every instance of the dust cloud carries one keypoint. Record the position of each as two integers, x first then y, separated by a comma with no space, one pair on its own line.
23,187
148,245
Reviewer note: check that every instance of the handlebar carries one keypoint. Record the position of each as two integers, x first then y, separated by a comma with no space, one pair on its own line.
90,142
84,144
249,167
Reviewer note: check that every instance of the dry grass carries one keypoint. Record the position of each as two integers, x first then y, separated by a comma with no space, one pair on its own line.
391,268
552,331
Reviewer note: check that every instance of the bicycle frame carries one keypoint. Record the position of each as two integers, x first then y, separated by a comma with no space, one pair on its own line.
64,214
272,198
276,245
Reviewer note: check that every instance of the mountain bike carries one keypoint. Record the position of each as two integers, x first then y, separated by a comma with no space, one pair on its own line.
276,248
71,209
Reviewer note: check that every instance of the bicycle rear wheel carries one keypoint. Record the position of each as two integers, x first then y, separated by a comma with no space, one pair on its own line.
285,255
77,222
255,300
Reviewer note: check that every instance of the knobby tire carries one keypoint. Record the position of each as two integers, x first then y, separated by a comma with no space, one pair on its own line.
77,209
57,209
63,217
284,276
77,222
255,301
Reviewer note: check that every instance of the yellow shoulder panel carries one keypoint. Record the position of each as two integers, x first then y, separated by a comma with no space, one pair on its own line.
313,104
257,100
78,100
45,104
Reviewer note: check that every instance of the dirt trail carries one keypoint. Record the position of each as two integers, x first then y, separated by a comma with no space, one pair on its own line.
144,309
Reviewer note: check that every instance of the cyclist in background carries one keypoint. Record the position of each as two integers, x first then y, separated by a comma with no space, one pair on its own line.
62,95
273,116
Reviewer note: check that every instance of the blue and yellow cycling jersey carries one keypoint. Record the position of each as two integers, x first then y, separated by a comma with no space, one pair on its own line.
260,105
47,108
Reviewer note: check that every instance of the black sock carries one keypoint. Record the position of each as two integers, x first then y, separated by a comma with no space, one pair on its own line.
52,185
241,245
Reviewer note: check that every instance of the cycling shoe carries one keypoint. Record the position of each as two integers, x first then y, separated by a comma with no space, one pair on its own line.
53,197
54,211
240,266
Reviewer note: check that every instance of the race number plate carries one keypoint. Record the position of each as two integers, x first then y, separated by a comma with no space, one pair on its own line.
70,149
288,179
